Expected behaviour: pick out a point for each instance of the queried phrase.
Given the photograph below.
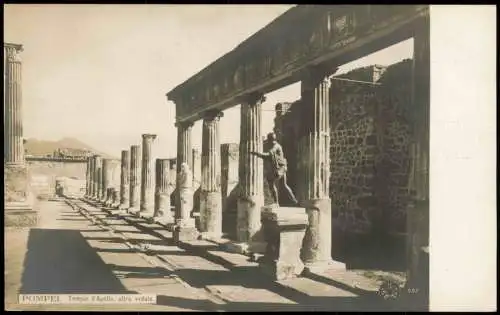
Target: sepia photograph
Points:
(218, 158)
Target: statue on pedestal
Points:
(275, 167)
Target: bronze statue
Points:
(275, 167)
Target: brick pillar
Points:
(135, 177)
(124, 180)
(251, 181)
(314, 147)
(147, 174)
(210, 195)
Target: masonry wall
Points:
(370, 131)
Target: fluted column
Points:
(210, 196)
(16, 178)
(314, 148)
(106, 179)
(147, 174)
(91, 178)
(164, 187)
(135, 177)
(251, 181)
(124, 180)
(87, 177)
(185, 225)
(98, 178)
(13, 121)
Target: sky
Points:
(99, 73)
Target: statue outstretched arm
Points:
(259, 154)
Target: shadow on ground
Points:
(62, 262)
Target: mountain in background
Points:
(37, 147)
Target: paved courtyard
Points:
(70, 252)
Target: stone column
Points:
(163, 191)
(16, 179)
(185, 225)
(135, 177)
(314, 148)
(196, 168)
(106, 178)
(147, 174)
(251, 199)
(91, 178)
(124, 180)
(418, 207)
(98, 178)
(13, 123)
(210, 195)
(87, 177)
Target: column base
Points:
(20, 215)
(279, 270)
(123, 206)
(211, 212)
(245, 248)
(322, 266)
(185, 234)
(211, 236)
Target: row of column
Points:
(144, 184)
(314, 143)
(141, 190)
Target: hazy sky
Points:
(100, 73)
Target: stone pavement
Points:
(85, 250)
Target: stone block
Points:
(181, 234)
(284, 229)
(23, 216)
(16, 184)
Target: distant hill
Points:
(37, 147)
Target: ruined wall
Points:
(43, 174)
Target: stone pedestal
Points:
(185, 229)
(284, 229)
(135, 178)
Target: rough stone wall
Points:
(16, 184)
(353, 150)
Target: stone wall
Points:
(370, 130)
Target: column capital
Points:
(213, 114)
(12, 51)
(252, 99)
(312, 76)
(184, 124)
(149, 136)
